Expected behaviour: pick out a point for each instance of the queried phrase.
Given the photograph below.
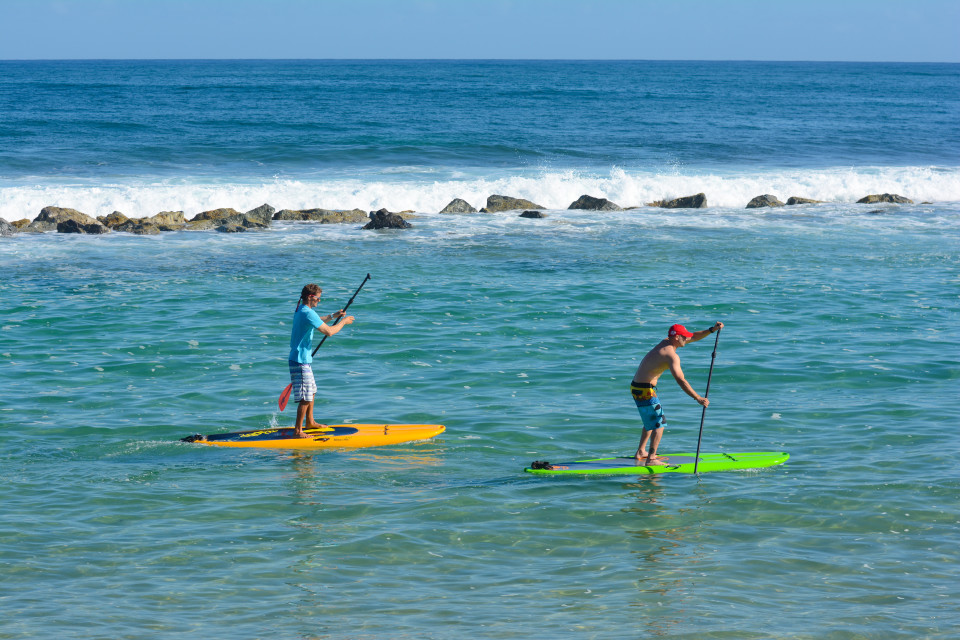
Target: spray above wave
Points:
(552, 189)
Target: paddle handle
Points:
(344, 311)
(706, 393)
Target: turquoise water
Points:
(521, 336)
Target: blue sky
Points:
(854, 30)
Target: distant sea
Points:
(841, 347)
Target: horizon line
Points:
(476, 60)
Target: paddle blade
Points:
(284, 397)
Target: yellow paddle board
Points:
(337, 436)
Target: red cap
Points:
(679, 330)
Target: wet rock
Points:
(215, 214)
(792, 200)
(383, 219)
(20, 224)
(533, 214)
(7, 229)
(698, 201)
(885, 197)
(323, 216)
(262, 214)
(458, 206)
(166, 221)
(50, 217)
(497, 203)
(765, 200)
(589, 203)
(137, 227)
(113, 220)
(73, 226)
(203, 225)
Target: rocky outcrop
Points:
(137, 227)
(262, 214)
(698, 201)
(215, 214)
(20, 224)
(50, 217)
(383, 219)
(497, 203)
(765, 200)
(792, 200)
(73, 226)
(589, 203)
(885, 197)
(166, 220)
(323, 216)
(458, 206)
(533, 214)
(115, 219)
(7, 229)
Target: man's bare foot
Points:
(316, 426)
(298, 433)
(655, 462)
(643, 457)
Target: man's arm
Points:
(678, 376)
(699, 335)
(329, 330)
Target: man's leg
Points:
(302, 408)
(652, 459)
(641, 454)
(311, 423)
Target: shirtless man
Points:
(305, 320)
(644, 387)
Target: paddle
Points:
(703, 415)
(285, 396)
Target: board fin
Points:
(198, 437)
(540, 464)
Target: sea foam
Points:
(549, 188)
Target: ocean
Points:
(841, 347)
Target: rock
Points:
(698, 201)
(262, 214)
(202, 225)
(590, 203)
(533, 214)
(885, 197)
(20, 224)
(7, 229)
(323, 216)
(215, 214)
(383, 219)
(458, 206)
(137, 227)
(792, 200)
(232, 227)
(765, 200)
(497, 203)
(50, 217)
(73, 226)
(166, 221)
(114, 219)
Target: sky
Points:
(814, 30)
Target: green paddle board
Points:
(675, 463)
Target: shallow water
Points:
(521, 336)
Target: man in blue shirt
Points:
(305, 320)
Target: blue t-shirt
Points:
(305, 320)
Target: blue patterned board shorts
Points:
(304, 386)
(648, 405)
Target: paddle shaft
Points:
(344, 313)
(706, 393)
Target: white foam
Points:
(551, 189)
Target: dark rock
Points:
(73, 226)
(202, 225)
(458, 206)
(383, 219)
(7, 229)
(533, 214)
(497, 203)
(323, 216)
(765, 200)
(589, 203)
(698, 201)
(50, 217)
(792, 200)
(215, 214)
(137, 227)
(113, 220)
(232, 227)
(262, 214)
(885, 197)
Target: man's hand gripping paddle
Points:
(285, 396)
